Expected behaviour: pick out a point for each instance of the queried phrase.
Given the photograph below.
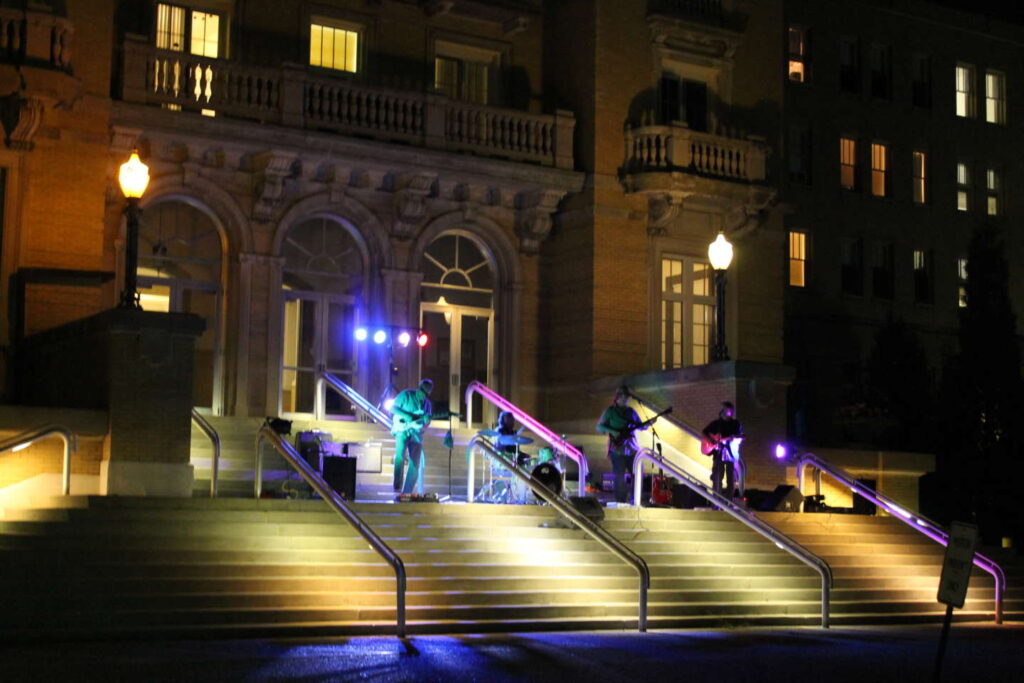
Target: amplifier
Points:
(340, 475)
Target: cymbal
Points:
(512, 439)
(489, 432)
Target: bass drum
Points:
(549, 475)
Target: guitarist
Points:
(718, 438)
(411, 413)
(620, 422)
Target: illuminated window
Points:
(798, 54)
(333, 45)
(883, 271)
(848, 163)
(961, 276)
(995, 97)
(881, 71)
(921, 85)
(963, 187)
(687, 312)
(879, 169)
(849, 65)
(464, 72)
(205, 34)
(965, 106)
(993, 187)
(923, 288)
(852, 274)
(170, 27)
(798, 259)
(920, 170)
(202, 35)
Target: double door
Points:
(318, 337)
(461, 350)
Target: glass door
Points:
(460, 351)
(318, 336)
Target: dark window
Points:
(799, 156)
(921, 85)
(924, 289)
(684, 100)
(883, 272)
(853, 267)
(881, 72)
(849, 65)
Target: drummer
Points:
(509, 439)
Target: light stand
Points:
(133, 177)
(720, 256)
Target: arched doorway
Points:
(322, 279)
(180, 271)
(457, 311)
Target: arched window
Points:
(323, 280)
(180, 251)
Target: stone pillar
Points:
(137, 365)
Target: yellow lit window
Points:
(170, 27)
(797, 54)
(920, 177)
(687, 312)
(963, 187)
(334, 48)
(965, 90)
(961, 273)
(848, 163)
(879, 168)
(993, 184)
(205, 34)
(797, 259)
(995, 97)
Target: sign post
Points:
(956, 575)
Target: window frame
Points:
(848, 161)
(995, 103)
(924, 276)
(687, 301)
(797, 241)
(187, 37)
(336, 24)
(852, 274)
(963, 186)
(881, 73)
(993, 191)
(800, 56)
(921, 81)
(850, 73)
(967, 96)
(880, 176)
(919, 177)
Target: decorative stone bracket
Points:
(411, 204)
(279, 166)
(533, 217)
(662, 209)
(21, 117)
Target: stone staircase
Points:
(123, 567)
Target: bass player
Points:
(719, 436)
(620, 422)
(411, 413)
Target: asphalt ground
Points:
(975, 652)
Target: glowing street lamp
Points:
(720, 255)
(133, 178)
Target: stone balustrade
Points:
(35, 38)
(677, 148)
(291, 96)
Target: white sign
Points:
(956, 566)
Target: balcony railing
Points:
(290, 96)
(652, 149)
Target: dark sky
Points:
(1012, 10)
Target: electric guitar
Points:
(709, 443)
(626, 433)
(661, 490)
(404, 421)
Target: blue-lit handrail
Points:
(781, 540)
(606, 539)
(912, 519)
(358, 399)
(211, 433)
(338, 504)
(534, 425)
(70, 446)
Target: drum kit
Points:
(505, 487)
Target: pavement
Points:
(975, 652)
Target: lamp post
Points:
(720, 255)
(133, 178)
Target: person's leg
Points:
(730, 479)
(400, 440)
(717, 470)
(627, 476)
(415, 450)
(619, 468)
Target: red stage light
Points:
(422, 339)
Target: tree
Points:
(899, 390)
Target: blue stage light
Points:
(404, 338)
(361, 334)
(379, 336)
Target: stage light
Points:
(781, 451)
(422, 339)
(404, 338)
(388, 403)
(379, 336)
(361, 334)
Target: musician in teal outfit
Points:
(619, 422)
(411, 413)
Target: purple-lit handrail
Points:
(357, 398)
(781, 540)
(606, 539)
(556, 442)
(70, 446)
(912, 519)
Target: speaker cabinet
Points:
(784, 498)
(340, 475)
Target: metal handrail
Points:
(338, 504)
(70, 446)
(358, 399)
(912, 519)
(214, 438)
(603, 537)
(534, 425)
(781, 540)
